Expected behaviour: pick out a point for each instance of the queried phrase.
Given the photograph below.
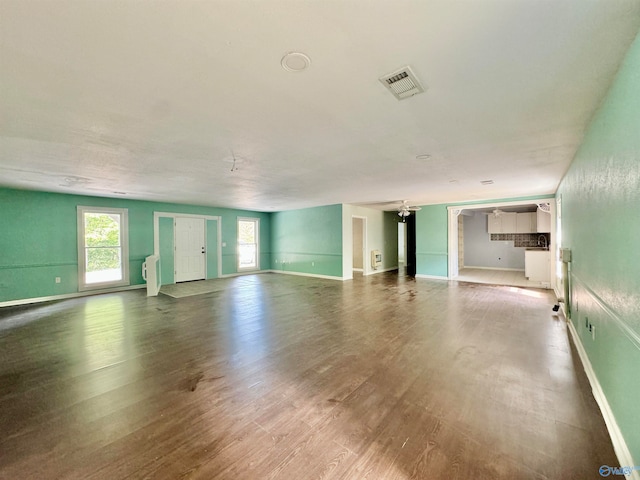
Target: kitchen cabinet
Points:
(508, 222)
(543, 221)
(503, 223)
(536, 265)
(526, 222)
(494, 224)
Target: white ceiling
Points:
(150, 99)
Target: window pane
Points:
(248, 243)
(246, 232)
(102, 230)
(103, 250)
(247, 256)
(103, 265)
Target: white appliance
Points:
(150, 273)
(376, 259)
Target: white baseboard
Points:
(381, 270)
(314, 275)
(357, 269)
(619, 444)
(431, 277)
(26, 301)
(495, 268)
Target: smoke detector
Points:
(402, 83)
(295, 62)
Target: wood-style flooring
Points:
(284, 377)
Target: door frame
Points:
(452, 220)
(173, 215)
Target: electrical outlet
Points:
(313, 264)
(593, 332)
(58, 280)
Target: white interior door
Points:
(190, 243)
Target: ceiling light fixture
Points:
(487, 182)
(424, 156)
(295, 62)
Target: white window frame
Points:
(256, 221)
(124, 246)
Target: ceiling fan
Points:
(405, 209)
(496, 212)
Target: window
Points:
(248, 244)
(103, 257)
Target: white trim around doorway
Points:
(452, 221)
(174, 215)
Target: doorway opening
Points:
(402, 246)
(503, 243)
(172, 244)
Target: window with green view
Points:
(102, 247)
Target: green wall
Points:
(600, 197)
(38, 239)
(308, 240)
(431, 241)
(165, 232)
(212, 246)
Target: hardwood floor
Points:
(383, 377)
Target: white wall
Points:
(481, 251)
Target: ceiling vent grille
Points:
(402, 83)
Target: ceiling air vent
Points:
(402, 83)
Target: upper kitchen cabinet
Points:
(543, 221)
(526, 222)
(503, 223)
(508, 222)
(494, 224)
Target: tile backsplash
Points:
(522, 239)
